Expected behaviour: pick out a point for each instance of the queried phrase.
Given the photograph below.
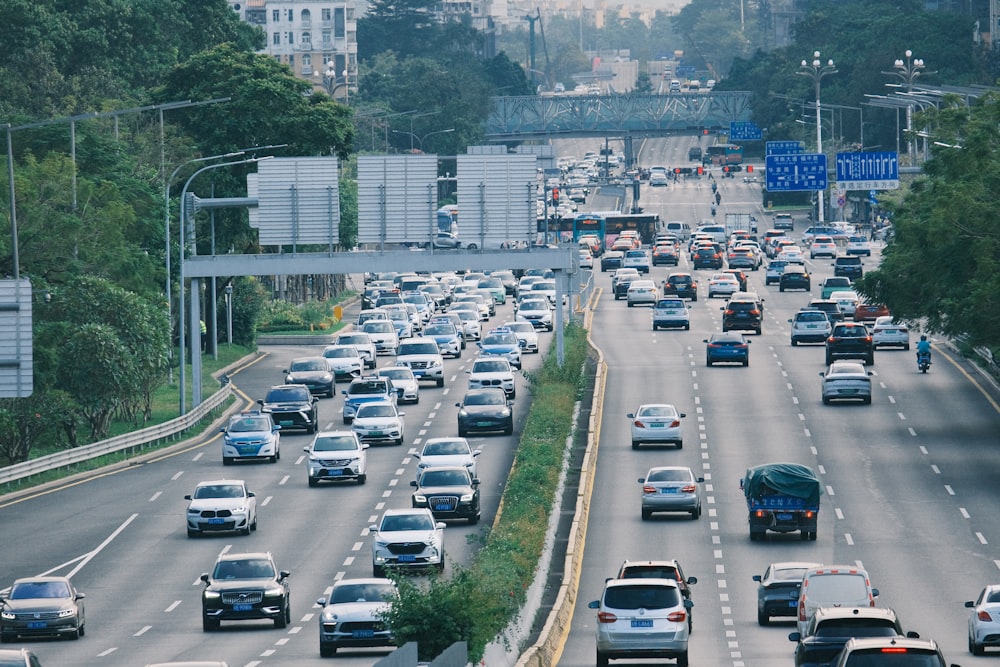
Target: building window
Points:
(275, 16)
(306, 38)
(291, 62)
(325, 14)
(306, 16)
(327, 59)
(291, 15)
(339, 23)
(307, 61)
(327, 37)
(276, 38)
(291, 37)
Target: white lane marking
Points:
(266, 501)
(838, 512)
(951, 491)
(173, 605)
(850, 540)
(155, 496)
(143, 630)
(197, 457)
(81, 561)
(176, 476)
(982, 538)
(964, 512)
(935, 469)
(284, 480)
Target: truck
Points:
(782, 498)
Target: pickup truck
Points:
(782, 498)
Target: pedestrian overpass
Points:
(639, 114)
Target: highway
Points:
(910, 480)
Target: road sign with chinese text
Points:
(868, 171)
(782, 147)
(795, 172)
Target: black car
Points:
(681, 285)
(850, 340)
(291, 406)
(243, 587)
(449, 492)
(612, 260)
(848, 266)
(830, 307)
(485, 410)
(740, 315)
(313, 372)
(778, 590)
(794, 276)
(707, 258)
(831, 627)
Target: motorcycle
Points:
(923, 361)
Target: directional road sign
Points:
(744, 130)
(800, 171)
(782, 147)
(868, 171)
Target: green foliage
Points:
(249, 301)
(478, 603)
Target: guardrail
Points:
(135, 440)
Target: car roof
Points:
(856, 612)
(242, 555)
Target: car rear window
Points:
(642, 596)
(836, 588)
(856, 627)
(418, 348)
(893, 657)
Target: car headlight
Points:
(274, 592)
(463, 413)
(467, 498)
(211, 595)
(505, 412)
(420, 498)
(329, 616)
(193, 511)
(67, 613)
(7, 615)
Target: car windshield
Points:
(340, 353)
(248, 568)
(291, 395)
(652, 571)
(669, 475)
(367, 387)
(533, 305)
(376, 411)
(500, 339)
(520, 327)
(362, 593)
(378, 327)
(33, 590)
(836, 588)
(353, 339)
(486, 398)
(445, 448)
(248, 424)
(407, 522)
(641, 597)
(812, 317)
(444, 478)
(418, 348)
(490, 367)
(440, 330)
(878, 657)
(657, 411)
(308, 365)
(396, 373)
(219, 491)
(856, 627)
(335, 443)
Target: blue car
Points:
(502, 342)
(447, 337)
(727, 347)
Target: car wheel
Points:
(746, 362)
(192, 533)
(871, 360)
(695, 514)
(253, 526)
(829, 360)
(440, 382)
(509, 430)
(646, 514)
(762, 617)
(398, 442)
(602, 660)
(462, 433)
(826, 400)
(474, 519)
(227, 460)
(635, 444)
(906, 347)
(313, 481)
(781, 288)
(757, 331)
(282, 621)
(209, 624)
(795, 342)
(81, 631)
(687, 327)
(680, 444)
(246, 531)
(708, 362)
(694, 298)
(804, 535)
(272, 459)
(513, 394)
(868, 400)
(327, 651)
(346, 421)
(682, 660)
(655, 327)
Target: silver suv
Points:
(422, 357)
(642, 618)
(891, 652)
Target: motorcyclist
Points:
(923, 347)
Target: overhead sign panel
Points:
(795, 172)
(783, 147)
(868, 171)
(745, 130)
(298, 201)
(16, 367)
(397, 198)
(496, 200)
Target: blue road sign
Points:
(868, 171)
(744, 130)
(798, 171)
(783, 147)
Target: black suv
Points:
(245, 586)
(741, 316)
(449, 492)
(848, 266)
(850, 340)
(659, 569)
(830, 628)
(706, 258)
(830, 307)
(681, 285)
(794, 276)
(292, 406)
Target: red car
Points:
(869, 312)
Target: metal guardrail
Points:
(135, 440)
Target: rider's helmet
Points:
(923, 337)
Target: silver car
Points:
(379, 422)
(403, 381)
(888, 333)
(352, 616)
(448, 451)
(846, 380)
(221, 505)
(641, 618)
(671, 489)
(656, 422)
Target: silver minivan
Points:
(833, 586)
(681, 230)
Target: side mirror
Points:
(594, 604)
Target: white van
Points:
(681, 230)
(718, 232)
(833, 586)
(675, 86)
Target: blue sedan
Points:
(727, 347)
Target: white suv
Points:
(407, 538)
(336, 455)
(642, 618)
(421, 356)
(492, 372)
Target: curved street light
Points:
(332, 81)
(907, 72)
(420, 140)
(816, 70)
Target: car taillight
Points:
(760, 514)
(606, 617)
(690, 488)
(648, 489)
(810, 514)
(674, 424)
(729, 311)
(894, 649)
(802, 610)
(755, 312)
(638, 424)
(984, 616)
(677, 616)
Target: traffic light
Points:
(701, 170)
(555, 195)
(704, 131)
(750, 168)
(677, 170)
(725, 169)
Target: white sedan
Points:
(379, 422)
(449, 451)
(657, 422)
(984, 621)
(403, 381)
(527, 337)
(823, 246)
(888, 333)
(641, 292)
(846, 380)
(723, 283)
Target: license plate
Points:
(812, 326)
(286, 422)
(668, 490)
(333, 473)
(890, 332)
(848, 391)
(784, 516)
(642, 622)
(242, 606)
(216, 522)
(793, 603)
(37, 625)
(483, 423)
(655, 425)
(375, 433)
(407, 558)
(442, 507)
(363, 634)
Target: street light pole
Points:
(420, 140)
(816, 70)
(908, 71)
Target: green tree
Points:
(406, 27)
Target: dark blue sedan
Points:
(727, 347)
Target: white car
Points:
(823, 246)
(421, 356)
(251, 435)
(810, 326)
(586, 259)
(527, 337)
(546, 288)
(379, 422)
(352, 615)
(792, 254)
(658, 178)
(221, 505)
(671, 312)
(723, 283)
(888, 333)
(847, 300)
(984, 621)
(403, 381)
(335, 456)
(858, 245)
(471, 328)
(362, 342)
(489, 372)
(636, 259)
(407, 538)
(383, 335)
(657, 422)
(641, 292)
(846, 380)
(345, 361)
(452, 451)
(537, 312)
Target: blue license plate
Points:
(242, 606)
(375, 433)
(216, 522)
(483, 423)
(407, 558)
(442, 507)
(286, 422)
(784, 516)
(363, 634)
(642, 622)
(793, 603)
(668, 490)
(37, 625)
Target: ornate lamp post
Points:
(908, 71)
(816, 70)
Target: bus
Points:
(723, 154)
(608, 225)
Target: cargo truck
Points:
(782, 498)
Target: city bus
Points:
(723, 154)
(608, 225)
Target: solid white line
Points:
(88, 557)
